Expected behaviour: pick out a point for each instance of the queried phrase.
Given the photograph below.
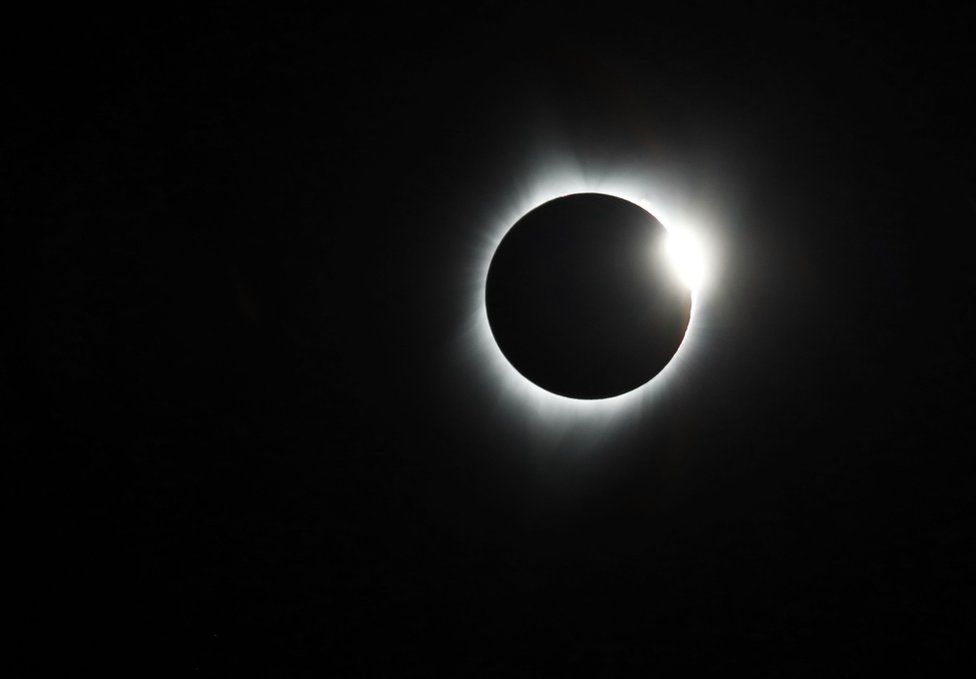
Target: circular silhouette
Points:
(580, 298)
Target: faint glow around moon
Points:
(687, 249)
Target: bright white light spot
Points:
(684, 254)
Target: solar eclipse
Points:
(680, 252)
(582, 299)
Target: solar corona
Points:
(587, 299)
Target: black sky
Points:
(235, 272)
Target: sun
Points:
(687, 249)
(684, 254)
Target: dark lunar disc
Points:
(580, 298)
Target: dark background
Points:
(233, 277)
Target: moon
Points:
(587, 296)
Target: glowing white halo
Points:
(686, 248)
